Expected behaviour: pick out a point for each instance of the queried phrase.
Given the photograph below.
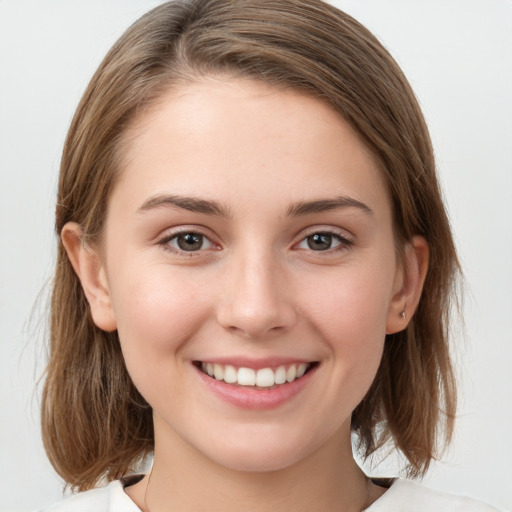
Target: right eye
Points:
(187, 241)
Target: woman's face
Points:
(250, 235)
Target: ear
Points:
(90, 270)
(409, 285)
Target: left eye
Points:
(189, 242)
(322, 241)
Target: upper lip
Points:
(255, 364)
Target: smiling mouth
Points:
(264, 378)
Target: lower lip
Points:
(251, 398)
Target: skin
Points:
(254, 288)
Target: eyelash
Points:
(344, 242)
(165, 242)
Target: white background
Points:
(458, 57)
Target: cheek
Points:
(352, 305)
(350, 316)
(156, 314)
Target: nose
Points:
(255, 300)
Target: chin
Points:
(257, 461)
(260, 454)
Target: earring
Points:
(402, 314)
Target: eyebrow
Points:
(324, 205)
(192, 204)
(208, 207)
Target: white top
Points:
(402, 496)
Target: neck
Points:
(183, 479)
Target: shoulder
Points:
(111, 498)
(404, 496)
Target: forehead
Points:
(233, 138)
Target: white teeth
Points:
(301, 370)
(246, 377)
(218, 372)
(230, 374)
(280, 377)
(291, 374)
(265, 378)
(262, 378)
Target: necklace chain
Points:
(146, 508)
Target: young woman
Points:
(255, 264)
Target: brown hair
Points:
(95, 423)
